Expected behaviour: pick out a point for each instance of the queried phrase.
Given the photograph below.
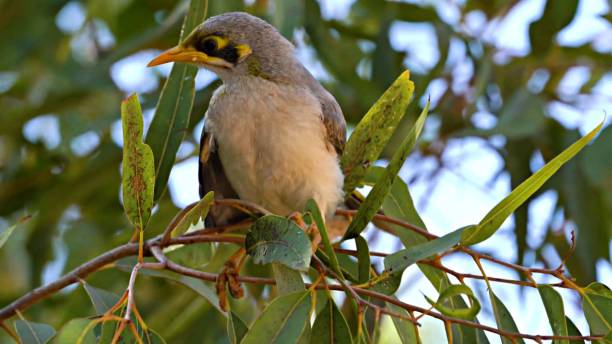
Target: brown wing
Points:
(212, 178)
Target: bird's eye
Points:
(208, 45)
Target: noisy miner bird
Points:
(272, 133)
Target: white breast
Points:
(272, 145)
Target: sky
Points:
(460, 196)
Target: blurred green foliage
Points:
(74, 196)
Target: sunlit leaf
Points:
(494, 219)
(597, 305)
(407, 331)
(282, 321)
(452, 291)
(236, 328)
(101, 299)
(287, 279)
(138, 174)
(194, 215)
(4, 235)
(399, 261)
(76, 331)
(313, 209)
(374, 130)
(377, 195)
(330, 326)
(33, 333)
(277, 239)
(553, 303)
(173, 109)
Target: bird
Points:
(273, 135)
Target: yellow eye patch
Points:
(221, 42)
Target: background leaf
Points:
(33, 333)
(330, 325)
(282, 321)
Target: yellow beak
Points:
(179, 54)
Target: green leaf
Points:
(313, 209)
(494, 219)
(597, 305)
(397, 262)
(553, 303)
(76, 331)
(557, 15)
(282, 321)
(363, 259)
(236, 328)
(287, 279)
(173, 110)
(504, 319)
(138, 174)
(572, 330)
(101, 299)
(398, 202)
(8, 231)
(33, 333)
(195, 214)
(330, 326)
(407, 331)
(288, 16)
(373, 132)
(193, 256)
(277, 239)
(377, 195)
(450, 292)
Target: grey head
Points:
(242, 44)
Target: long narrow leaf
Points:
(504, 319)
(173, 109)
(553, 303)
(376, 197)
(374, 130)
(494, 219)
(313, 209)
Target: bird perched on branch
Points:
(272, 133)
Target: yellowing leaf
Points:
(138, 173)
(494, 219)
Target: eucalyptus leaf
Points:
(407, 331)
(313, 209)
(397, 262)
(553, 303)
(330, 326)
(33, 333)
(236, 328)
(101, 299)
(282, 321)
(375, 198)
(195, 214)
(274, 238)
(4, 235)
(494, 219)
(504, 319)
(287, 279)
(173, 110)
(597, 305)
(363, 259)
(374, 131)
(138, 167)
(453, 291)
(76, 331)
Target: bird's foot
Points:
(229, 277)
